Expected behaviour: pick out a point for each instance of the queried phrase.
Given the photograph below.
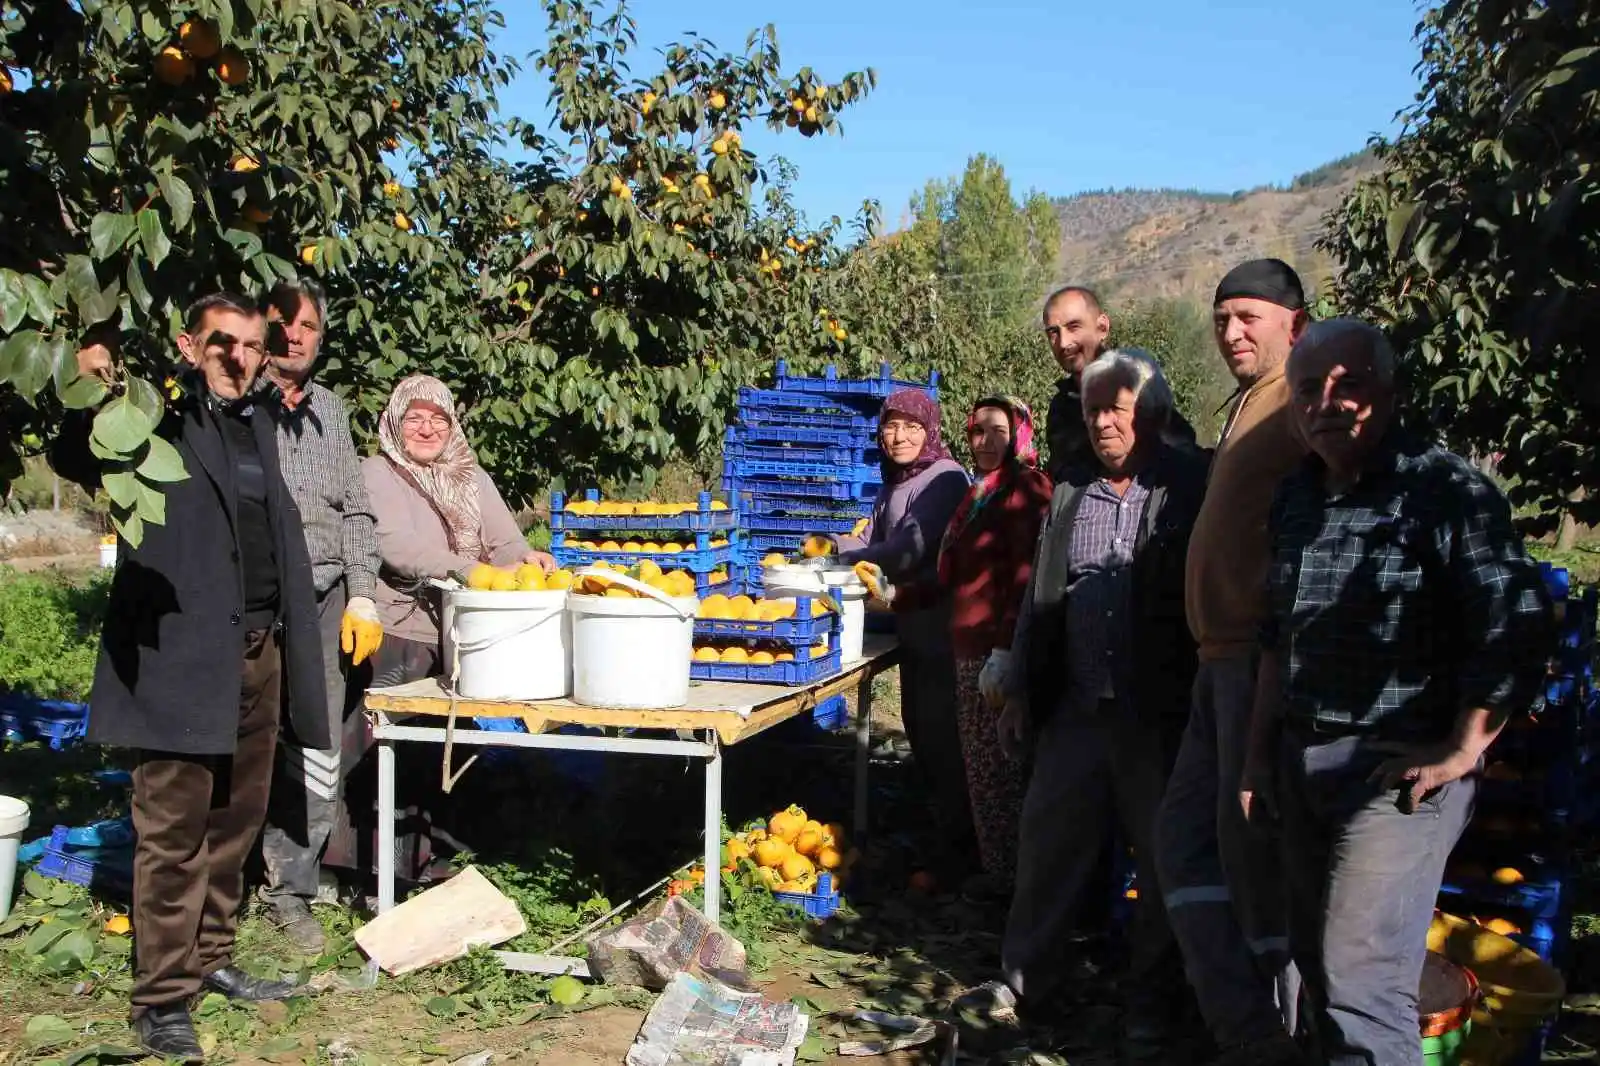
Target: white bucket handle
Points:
(638, 586)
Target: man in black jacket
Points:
(212, 619)
(1102, 663)
(1076, 327)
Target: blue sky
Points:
(1069, 96)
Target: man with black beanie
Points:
(1221, 877)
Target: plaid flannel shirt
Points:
(320, 465)
(1404, 601)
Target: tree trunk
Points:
(1567, 534)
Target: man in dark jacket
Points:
(1101, 667)
(1076, 327)
(212, 619)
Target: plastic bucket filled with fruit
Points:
(631, 639)
(507, 635)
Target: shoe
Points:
(236, 984)
(299, 925)
(1277, 1050)
(168, 1033)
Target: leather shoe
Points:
(168, 1033)
(236, 984)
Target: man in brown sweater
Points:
(1220, 876)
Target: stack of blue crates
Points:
(1540, 791)
(802, 457)
(704, 540)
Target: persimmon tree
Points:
(592, 303)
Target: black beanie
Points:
(1272, 280)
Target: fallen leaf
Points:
(47, 1031)
(273, 1012)
(827, 979)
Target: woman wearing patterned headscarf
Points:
(922, 485)
(437, 514)
(984, 564)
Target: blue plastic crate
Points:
(831, 714)
(582, 767)
(802, 630)
(1542, 900)
(799, 524)
(779, 511)
(831, 384)
(746, 469)
(864, 491)
(808, 409)
(839, 455)
(100, 869)
(24, 718)
(699, 561)
(800, 672)
(774, 429)
(823, 903)
(1556, 580)
(765, 543)
(702, 520)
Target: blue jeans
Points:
(1362, 878)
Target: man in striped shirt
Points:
(323, 472)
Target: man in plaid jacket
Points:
(323, 472)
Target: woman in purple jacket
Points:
(922, 486)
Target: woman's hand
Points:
(543, 560)
(1012, 727)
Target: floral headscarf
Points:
(1020, 454)
(450, 482)
(922, 409)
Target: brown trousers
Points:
(197, 817)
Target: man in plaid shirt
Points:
(1407, 625)
(323, 472)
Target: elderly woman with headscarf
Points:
(922, 486)
(437, 514)
(985, 563)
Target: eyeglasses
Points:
(417, 423)
(898, 428)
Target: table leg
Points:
(713, 854)
(385, 825)
(858, 828)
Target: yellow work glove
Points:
(860, 528)
(872, 576)
(360, 631)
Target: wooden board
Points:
(734, 710)
(441, 924)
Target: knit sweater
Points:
(1225, 588)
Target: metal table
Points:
(718, 714)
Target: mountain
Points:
(1149, 243)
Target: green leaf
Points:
(47, 1031)
(147, 398)
(162, 463)
(41, 308)
(73, 951)
(26, 362)
(179, 197)
(122, 486)
(13, 301)
(152, 505)
(442, 1007)
(1399, 220)
(137, 288)
(121, 427)
(74, 390)
(109, 232)
(36, 884)
(153, 237)
(39, 941)
(83, 285)
(131, 529)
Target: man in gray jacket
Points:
(323, 472)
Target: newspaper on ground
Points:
(663, 940)
(914, 1032)
(702, 1022)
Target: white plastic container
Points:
(510, 645)
(13, 822)
(631, 653)
(844, 586)
(108, 553)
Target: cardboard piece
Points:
(441, 924)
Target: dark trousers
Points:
(928, 709)
(352, 842)
(305, 785)
(197, 817)
(1363, 878)
(1085, 766)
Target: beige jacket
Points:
(1225, 585)
(414, 546)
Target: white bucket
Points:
(852, 597)
(511, 645)
(108, 555)
(631, 653)
(13, 821)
